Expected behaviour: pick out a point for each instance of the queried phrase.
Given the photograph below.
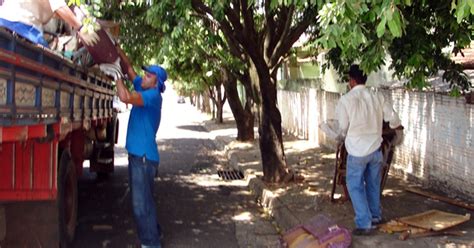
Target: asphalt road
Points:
(195, 207)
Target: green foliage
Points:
(188, 59)
(162, 27)
(167, 32)
(193, 48)
(419, 55)
(357, 27)
(412, 33)
(463, 9)
(140, 40)
(75, 2)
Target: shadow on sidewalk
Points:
(294, 203)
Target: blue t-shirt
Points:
(144, 122)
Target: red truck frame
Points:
(53, 116)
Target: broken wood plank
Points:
(441, 198)
(405, 235)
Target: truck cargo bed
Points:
(40, 86)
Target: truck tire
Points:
(102, 159)
(67, 199)
(112, 129)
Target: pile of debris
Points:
(429, 223)
(64, 41)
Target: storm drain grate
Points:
(230, 174)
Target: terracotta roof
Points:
(467, 61)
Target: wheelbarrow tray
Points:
(435, 220)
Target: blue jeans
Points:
(141, 173)
(363, 182)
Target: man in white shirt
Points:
(360, 114)
(27, 17)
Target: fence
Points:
(438, 147)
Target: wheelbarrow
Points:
(387, 146)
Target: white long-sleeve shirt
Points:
(32, 12)
(360, 114)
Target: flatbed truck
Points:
(54, 115)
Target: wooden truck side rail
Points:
(53, 116)
(47, 105)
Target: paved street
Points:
(195, 207)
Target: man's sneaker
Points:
(362, 231)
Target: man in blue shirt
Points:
(141, 145)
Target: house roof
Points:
(467, 61)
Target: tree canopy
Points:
(419, 36)
(196, 38)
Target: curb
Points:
(247, 236)
(266, 198)
(221, 143)
(283, 216)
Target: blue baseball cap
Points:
(160, 73)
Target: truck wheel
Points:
(67, 199)
(103, 176)
(102, 159)
(112, 130)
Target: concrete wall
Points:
(438, 149)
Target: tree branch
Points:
(249, 24)
(280, 31)
(206, 13)
(286, 41)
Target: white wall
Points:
(438, 149)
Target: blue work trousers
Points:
(363, 179)
(141, 175)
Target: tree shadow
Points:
(194, 128)
(195, 207)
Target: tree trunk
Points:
(219, 105)
(206, 106)
(275, 169)
(198, 101)
(218, 99)
(213, 111)
(244, 118)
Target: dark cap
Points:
(357, 74)
(160, 73)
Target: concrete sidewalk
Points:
(295, 203)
